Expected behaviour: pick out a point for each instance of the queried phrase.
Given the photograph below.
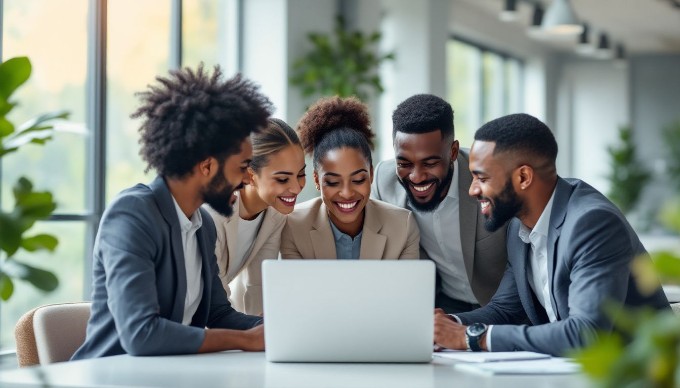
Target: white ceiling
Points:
(643, 26)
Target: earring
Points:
(317, 187)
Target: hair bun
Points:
(331, 113)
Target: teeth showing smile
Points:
(484, 205)
(288, 199)
(422, 188)
(347, 205)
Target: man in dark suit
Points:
(430, 177)
(155, 289)
(569, 249)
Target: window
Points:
(482, 85)
(142, 43)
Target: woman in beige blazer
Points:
(344, 223)
(253, 233)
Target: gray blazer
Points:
(590, 249)
(139, 280)
(483, 252)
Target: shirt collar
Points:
(542, 226)
(185, 223)
(338, 235)
(453, 186)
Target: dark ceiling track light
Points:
(535, 30)
(603, 49)
(584, 46)
(509, 12)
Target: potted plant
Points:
(627, 176)
(343, 63)
(29, 205)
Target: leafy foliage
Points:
(628, 176)
(342, 64)
(645, 352)
(29, 205)
(671, 137)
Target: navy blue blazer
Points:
(590, 249)
(139, 280)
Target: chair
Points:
(51, 333)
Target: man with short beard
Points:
(430, 177)
(569, 249)
(155, 288)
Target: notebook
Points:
(348, 310)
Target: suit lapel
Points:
(321, 236)
(207, 257)
(524, 290)
(372, 242)
(167, 208)
(558, 213)
(468, 209)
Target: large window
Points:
(144, 39)
(482, 85)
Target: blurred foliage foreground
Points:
(645, 350)
(29, 205)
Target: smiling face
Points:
(492, 185)
(231, 177)
(344, 176)
(425, 166)
(279, 182)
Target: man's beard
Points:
(218, 195)
(503, 207)
(436, 198)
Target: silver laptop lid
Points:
(348, 310)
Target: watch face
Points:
(476, 329)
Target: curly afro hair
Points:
(522, 134)
(193, 115)
(335, 122)
(423, 113)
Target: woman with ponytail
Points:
(344, 223)
(253, 233)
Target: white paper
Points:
(466, 356)
(550, 366)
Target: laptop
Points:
(348, 310)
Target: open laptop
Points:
(348, 310)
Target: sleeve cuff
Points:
(488, 338)
(455, 318)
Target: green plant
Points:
(29, 205)
(342, 64)
(671, 137)
(645, 350)
(628, 176)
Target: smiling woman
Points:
(344, 223)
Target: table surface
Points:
(241, 369)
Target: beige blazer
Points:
(389, 233)
(245, 292)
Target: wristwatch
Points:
(473, 334)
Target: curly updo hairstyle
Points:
(276, 136)
(335, 122)
(190, 116)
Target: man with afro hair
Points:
(155, 288)
(430, 177)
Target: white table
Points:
(242, 370)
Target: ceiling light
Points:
(620, 56)
(509, 12)
(584, 46)
(560, 19)
(535, 30)
(603, 50)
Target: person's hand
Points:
(447, 332)
(254, 339)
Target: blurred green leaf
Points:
(40, 242)
(6, 286)
(13, 73)
(10, 238)
(39, 278)
(599, 359)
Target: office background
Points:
(91, 56)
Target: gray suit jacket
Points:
(139, 280)
(483, 252)
(590, 249)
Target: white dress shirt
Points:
(192, 262)
(440, 238)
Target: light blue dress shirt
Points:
(346, 247)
